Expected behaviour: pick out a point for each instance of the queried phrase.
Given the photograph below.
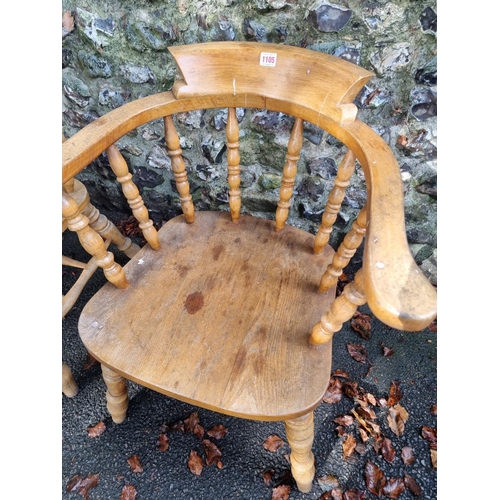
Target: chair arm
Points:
(397, 292)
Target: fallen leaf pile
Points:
(211, 452)
(361, 429)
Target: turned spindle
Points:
(233, 164)
(100, 223)
(131, 192)
(341, 310)
(341, 181)
(345, 252)
(179, 169)
(92, 242)
(289, 172)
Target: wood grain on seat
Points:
(219, 317)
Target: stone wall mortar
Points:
(116, 51)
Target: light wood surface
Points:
(227, 326)
(69, 386)
(224, 310)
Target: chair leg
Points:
(300, 435)
(116, 395)
(69, 387)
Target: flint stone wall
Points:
(116, 51)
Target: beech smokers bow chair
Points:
(228, 311)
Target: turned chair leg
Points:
(69, 387)
(300, 435)
(116, 395)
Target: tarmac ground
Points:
(246, 469)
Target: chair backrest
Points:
(312, 87)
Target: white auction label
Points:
(268, 59)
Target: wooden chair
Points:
(231, 312)
(78, 193)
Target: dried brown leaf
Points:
(340, 430)
(81, 485)
(351, 390)
(429, 434)
(199, 431)
(387, 352)
(191, 422)
(341, 283)
(340, 373)
(395, 394)
(348, 445)
(374, 478)
(328, 482)
(177, 426)
(267, 475)
(371, 399)
(360, 448)
(281, 492)
(333, 393)
(366, 412)
(327, 495)
(162, 442)
(361, 323)
(394, 487)
(128, 492)
(90, 362)
(388, 451)
(365, 436)
(345, 420)
(402, 411)
(273, 443)
(358, 352)
(135, 463)
(130, 227)
(96, 430)
(396, 418)
(407, 455)
(378, 441)
(336, 494)
(354, 494)
(217, 431)
(212, 452)
(412, 485)
(434, 409)
(195, 463)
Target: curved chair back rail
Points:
(299, 85)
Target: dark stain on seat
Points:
(194, 302)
